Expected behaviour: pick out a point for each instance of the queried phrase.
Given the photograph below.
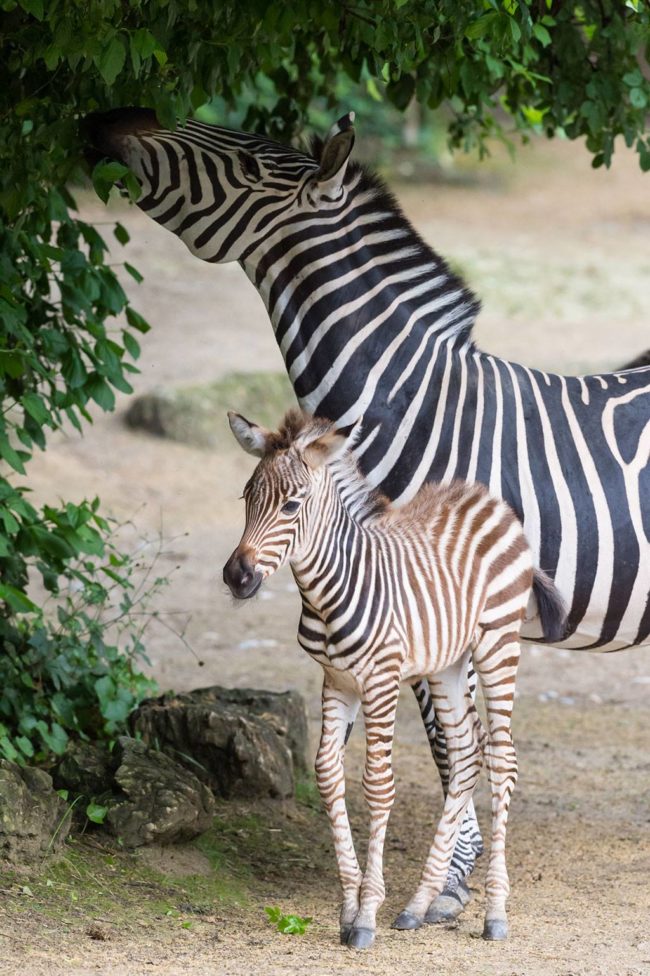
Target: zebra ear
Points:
(251, 437)
(331, 445)
(336, 154)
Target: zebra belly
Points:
(584, 638)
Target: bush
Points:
(73, 670)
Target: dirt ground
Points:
(561, 256)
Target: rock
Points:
(240, 742)
(85, 769)
(161, 800)
(34, 819)
(197, 414)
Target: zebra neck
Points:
(342, 536)
(349, 289)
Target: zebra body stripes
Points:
(392, 595)
(371, 321)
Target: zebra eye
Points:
(290, 507)
(250, 166)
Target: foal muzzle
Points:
(240, 576)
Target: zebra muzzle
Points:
(240, 576)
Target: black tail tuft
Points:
(552, 609)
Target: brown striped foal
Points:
(392, 595)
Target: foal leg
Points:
(495, 659)
(379, 707)
(455, 895)
(339, 712)
(464, 737)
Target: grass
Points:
(244, 859)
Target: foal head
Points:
(282, 496)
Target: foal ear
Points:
(335, 155)
(251, 437)
(331, 445)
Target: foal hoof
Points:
(345, 934)
(448, 905)
(361, 938)
(405, 920)
(495, 929)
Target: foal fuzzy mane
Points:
(294, 425)
(300, 428)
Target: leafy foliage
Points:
(288, 924)
(74, 672)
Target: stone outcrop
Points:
(240, 742)
(160, 800)
(34, 819)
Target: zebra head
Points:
(224, 193)
(285, 496)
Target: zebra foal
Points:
(392, 595)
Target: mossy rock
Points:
(196, 415)
(34, 820)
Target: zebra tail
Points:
(552, 608)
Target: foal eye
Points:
(290, 507)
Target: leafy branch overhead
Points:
(548, 65)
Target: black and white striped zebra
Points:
(392, 595)
(371, 321)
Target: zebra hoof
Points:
(448, 905)
(406, 920)
(495, 929)
(361, 938)
(345, 934)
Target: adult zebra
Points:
(371, 321)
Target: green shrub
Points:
(73, 670)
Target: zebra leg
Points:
(464, 737)
(498, 683)
(379, 708)
(455, 895)
(339, 712)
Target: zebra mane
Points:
(360, 499)
(363, 180)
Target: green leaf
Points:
(16, 599)
(135, 274)
(11, 364)
(98, 390)
(25, 746)
(96, 812)
(8, 750)
(35, 407)
(121, 233)
(112, 60)
(55, 738)
(144, 42)
(136, 321)
(542, 34)
(11, 456)
(131, 345)
(638, 98)
(34, 7)
(104, 176)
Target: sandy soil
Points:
(561, 256)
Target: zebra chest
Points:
(347, 649)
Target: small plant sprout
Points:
(288, 924)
